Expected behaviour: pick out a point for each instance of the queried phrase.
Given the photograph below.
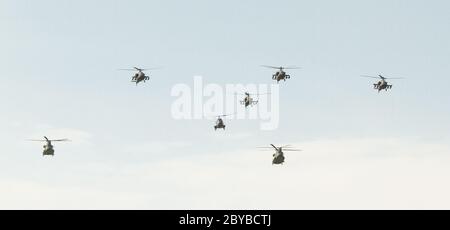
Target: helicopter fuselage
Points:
(248, 101)
(382, 85)
(219, 124)
(280, 75)
(278, 158)
(48, 150)
(140, 76)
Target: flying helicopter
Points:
(278, 156)
(280, 74)
(219, 123)
(382, 84)
(248, 100)
(48, 147)
(140, 75)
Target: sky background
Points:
(361, 149)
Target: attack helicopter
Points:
(280, 74)
(140, 75)
(48, 147)
(382, 84)
(219, 123)
(278, 156)
(248, 100)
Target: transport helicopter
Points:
(382, 84)
(278, 156)
(280, 74)
(48, 147)
(140, 76)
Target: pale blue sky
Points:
(58, 69)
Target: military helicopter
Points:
(280, 74)
(140, 75)
(219, 123)
(382, 84)
(48, 147)
(278, 156)
(248, 100)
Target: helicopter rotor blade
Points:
(370, 76)
(60, 140)
(152, 68)
(272, 67)
(218, 116)
(381, 77)
(281, 67)
(274, 147)
(259, 94)
(226, 115)
(291, 67)
(254, 94)
(139, 69)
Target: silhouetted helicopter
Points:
(280, 74)
(278, 156)
(382, 84)
(140, 75)
(48, 147)
(219, 123)
(248, 100)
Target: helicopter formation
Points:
(279, 75)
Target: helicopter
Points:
(48, 147)
(248, 100)
(219, 123)
(140, 75)
(278, 156)
(382, 84)
(280, 74)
